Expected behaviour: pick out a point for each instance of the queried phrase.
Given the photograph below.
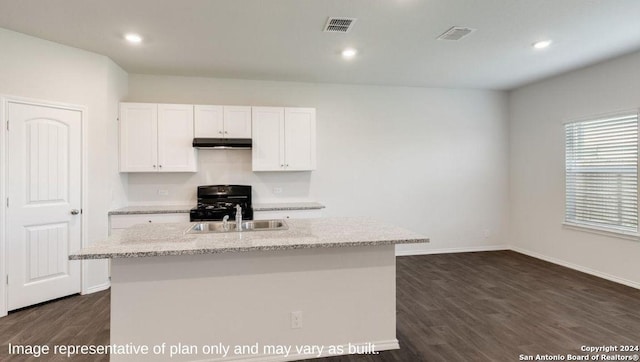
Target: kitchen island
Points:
(322, 287)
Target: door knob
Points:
(75, 212)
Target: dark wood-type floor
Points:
(490, 306)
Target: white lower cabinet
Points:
(287, 214)
(117, 223)
(284, 139)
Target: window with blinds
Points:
(601, 164)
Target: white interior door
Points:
(44, 203)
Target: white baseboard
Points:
(97, 288)
(577, 267)
(379, 346)
(471, 249)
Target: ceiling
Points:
(395, 39)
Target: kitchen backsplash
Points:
(218, 167)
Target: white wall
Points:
(39, 69)
(432, 160)
(537, 113)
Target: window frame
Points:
(611, 231)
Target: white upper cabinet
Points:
(237, 122)
(138, 137)
(222, 121)
(284, 139)
(208, 121)
(300, 139)
(268, 139)
(175, 138)
(156, 138)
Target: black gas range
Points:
(217, 201)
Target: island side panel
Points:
(346, 295)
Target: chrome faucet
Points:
(238, 217)
(225, 223)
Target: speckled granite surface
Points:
(156, 209)
(170, 239)
(286, 206)
(176, 209)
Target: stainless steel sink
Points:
(211, 227)
(264, 225)
(232, 226)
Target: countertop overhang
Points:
(185, 208)
(159, 239)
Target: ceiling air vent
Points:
(339, 25)
(456, 33)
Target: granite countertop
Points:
(152, 209)
(176, 209)
(170, 238)
(285, 206)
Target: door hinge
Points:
(7, 125)
(7, 279)
(7, 202)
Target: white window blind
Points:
(602, 173)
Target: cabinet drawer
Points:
(125, 221)
(287, 214)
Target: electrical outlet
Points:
(296, 320)
(277, 190)
(162, 192)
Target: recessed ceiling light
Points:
(133, 38)
(541, 44)
(349, 53)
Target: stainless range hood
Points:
(222, 143)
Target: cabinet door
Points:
(138, 137)
(268, 139)
(175, 138)
(300, 139)
(208, 122)
(237, 122)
